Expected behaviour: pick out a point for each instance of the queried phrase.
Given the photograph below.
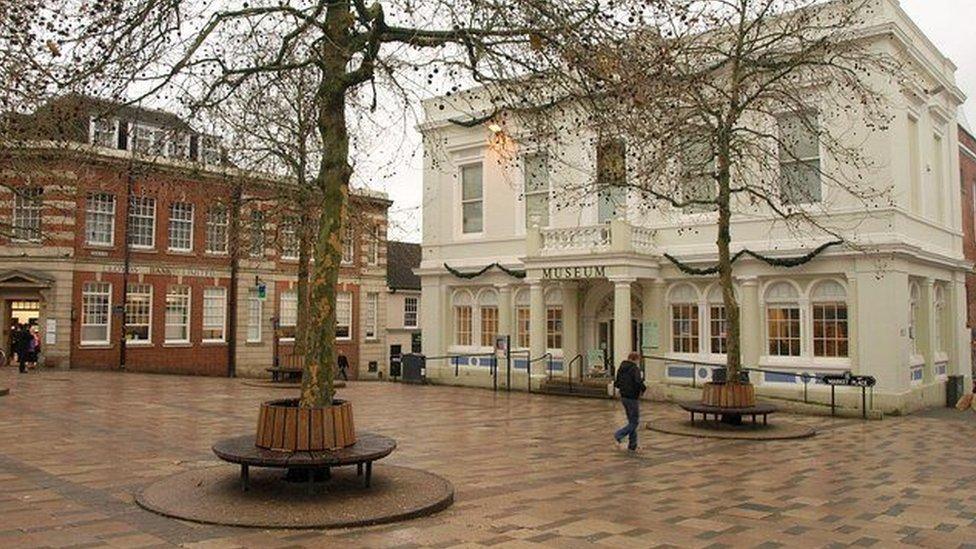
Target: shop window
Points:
(96, 300)
(138, 312)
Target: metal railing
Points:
(528, 366)
(493, 365)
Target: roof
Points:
(401, 259)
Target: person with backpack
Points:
(631, 386)
(343, 364)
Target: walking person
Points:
(631, 387)
(33, 346)
(22, 344)
(343, 366)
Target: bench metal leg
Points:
(245, 477)
(369, 472)
(764, 418)
(359, 469)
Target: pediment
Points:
(22, 278)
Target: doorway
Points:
(19, 312)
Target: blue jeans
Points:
(632, 407)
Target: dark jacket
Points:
(629, 381)
(342, 362)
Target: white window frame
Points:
(138, 207)
(462, 202)
(407, 312)
(216, 294)
(172, 139)
(288, 304)
(212, 225)
(780, 303)
(255, 312)
(27, 214)
(914, 164)
(173, 219)
(373, 247)
(529, 194)
(789, 160)
(348, 244)
(208, 150)
(937, 321)
(345, 320)
(92, 120)
(615, 196)
(102, 289)
(139, 289)
(90, 219)
(371, 325)
(834, 301)
(159, 140)
(253, 230)
(288, 237)
(939, 173)
(187, 299)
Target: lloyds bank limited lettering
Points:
(561, 273)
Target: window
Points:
(181, 227)
(373, 249)
(178, 145)
(914, 165)
(209, 150)
(372, 309)
(257, 233)
(523, 318)
(178, 314)
(684, 319)
(783, 320)
(718, 327)
(289, 240)
(288, 313)
(611, 179)
(472, 199)
(830, 337)
(27, 214)
(698, 182)
(138, 312)
(343, 315)
(217, 230)
(536, 175)
(146, 139)
(913, 317)
(938, 318)
(254, 311)
(142, 222)
(463, 327)
(96, 300)
(100, 219)
(799, 158)
(105, 132)
(554, 327)
(488, 313)
(348, 249)
(214, 313)
(410, 312)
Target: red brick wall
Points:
(967, 168)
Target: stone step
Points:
(589, 388)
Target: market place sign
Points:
(573, 273)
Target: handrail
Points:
(569, 370)
(528, 366)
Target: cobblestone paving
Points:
(529, 471)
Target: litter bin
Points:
(955, 388)
(414, 368)
(395, 366)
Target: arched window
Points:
(462, 317)
(522, 318)
(913, 316)
(684, 319)
(488, 310)
(938, 317)
(718, 325)
(783, 320)
(554, 318)
(830, 328)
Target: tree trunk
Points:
(333, 180)
(304, 234)
(733, 352)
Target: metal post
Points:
(832, 387)
(528, 370)
(806, 382)
(457, 366)
(508, 364)
(494, 373)
(864, 402)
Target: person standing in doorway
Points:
(343, 366)
(33, 346)
(631, 387)
(22, 347)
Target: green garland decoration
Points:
(510, 272)
(772, 261)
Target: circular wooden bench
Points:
(729, 415)
(314, 465)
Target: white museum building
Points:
(585, 281)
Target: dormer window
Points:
(146, 139)
(209, 152)
(178, 145)
(104, 132)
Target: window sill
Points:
(96, 345)
(99, 247)
(180, 252)
(213, 342)
(216, 254)
(286, 340)
(143, 250)
(256, 343)
(133, 343)
(805, 362)
(177, 344)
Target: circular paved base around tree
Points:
(213, 495)
(268, 384)
(778, 430)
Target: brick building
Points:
(967, 182)
(94, 176)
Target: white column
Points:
(537, 322)
(655, 318)
(570, 323)
(750, 326)
(926, 321)
(852, 331)
(960, 361)
(621, 318)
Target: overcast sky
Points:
(948, 23)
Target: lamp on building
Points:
(495, 127)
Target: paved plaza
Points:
(529, 470)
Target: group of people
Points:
(25, 342)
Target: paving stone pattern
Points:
(529, 470)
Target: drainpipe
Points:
(126, 255)
(235, 247)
